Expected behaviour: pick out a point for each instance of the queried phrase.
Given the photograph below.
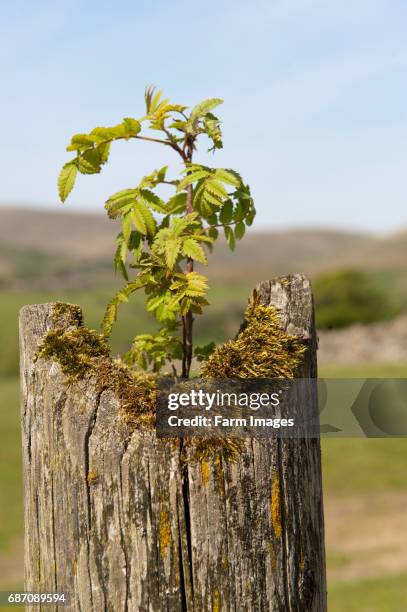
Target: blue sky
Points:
(315, 113)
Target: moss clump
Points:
(64, 315)
(135, 390)
(204, 449)
(82, 352)
(261, 349)
(74, 349)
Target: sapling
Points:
(160, 240)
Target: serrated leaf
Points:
(192, 178)
(120, 257)
(120, 297)
(139, 221)
(66, 179)
(118, 208)
(149, 220)
(177, 203)
(229, 176)
(126, 225)
(215, 187)
(204, 107)
(153, 200)
(194, 250)
(172, 249)
(89, 162)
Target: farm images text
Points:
(202, 400)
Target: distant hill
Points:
(41, 246)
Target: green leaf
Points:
(80, 141)
(104, 150)
(66, 179)
(203, 107)
(240, 229)
(126, 225)
(202, 352)
(250, 217)
(226, 213)
(120, 297)
(192, 249)
(138, 219)
(229, 176)
(240, 211)
(213, 233)
(132, 126)
(177, 204)
(153, 200)
(230, 237)
(161, 174)
(120, 256)
(149, 220)
(172, 249)
(215, 187)
(89, 162)
(192, 178)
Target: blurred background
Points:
(315, 119)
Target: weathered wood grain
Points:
(113, 519)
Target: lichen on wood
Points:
(122, 521)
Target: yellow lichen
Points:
(92, 477)
(216, 601)
(220, 475)
(275, 505)
(205, 471)
(164, 532)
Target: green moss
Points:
(74, 349)
(82, 352)
(66, 314)
(261, 349)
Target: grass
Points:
(11, 513)
(387, 594)
(365, 370)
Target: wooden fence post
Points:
(113, 520)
